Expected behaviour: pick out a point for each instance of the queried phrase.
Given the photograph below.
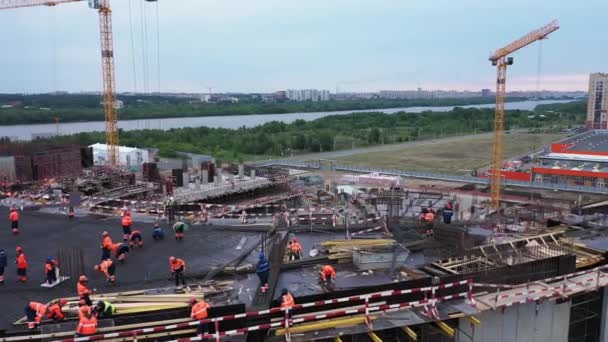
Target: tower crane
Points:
(107, 61)
(501, 61)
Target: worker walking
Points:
(108, 268)
(104, 309)
(3, 262)
(262, 269)
(135, 239)
(127, 221)
(34, 312)
(21, 262)
(121, 250)
(50, 268)
(200, 311)
(179, 228)
(83, 290)
(106, 245)
(296, 249)
(328, 276)
(55, 311)
(88, 323)
(158, 233)
(13, 217)
(178, 267)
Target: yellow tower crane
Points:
(107, 61)
(501, 61)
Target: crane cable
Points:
(144, 45)
(133, 59)
(158, 45)
(539, 67)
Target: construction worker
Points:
(447, 213)
(70, 212)
(120, 250)
(200, 311)
(136, 239)
(21, 262)
(34, 312)
(127, 221)
(179, 228)
(3, 262)
(55, 311)
(108, 268)
(50, 268)
(171, 208)
(296, 249)
(159, 233)
(262, 269)
(88, 323)
(104, 309)
(178, 267)
(287, 301)
(83, 290)
(13, 216)
(328, 275)
(106, 245)
(428, 218)
(82, 308)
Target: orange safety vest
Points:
(82, 289)
(429, 217)
(55, 312)
(21, 261)
(40, 310)
(87, 326)
(288, 301)
(328, 271)
(200, 310)
(175, 265)
(127, 220)
(296, 247)
(13, 216)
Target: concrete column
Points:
(253, 174)
(219, 175)
(186, 179)
(205, 177)
(241, 171)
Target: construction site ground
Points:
(450, 156)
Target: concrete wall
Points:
(545, 322)
(7, 168)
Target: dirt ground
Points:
(456, 157)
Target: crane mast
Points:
(501, 60)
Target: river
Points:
(27, 132)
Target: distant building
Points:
(307, 95)
(597, 105)
(280, 95)
(486, 92)
(118, 104)
(34, 161)
(130, 157)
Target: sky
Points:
(270, 45)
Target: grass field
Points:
(456, 157)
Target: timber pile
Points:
(342, 250)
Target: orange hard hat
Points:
(171, 259)
(192, 301)
(63, 301)
(105, 233)
(19, 249)
(295, 239)
(96, 267)
(83, 278)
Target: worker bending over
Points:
(13, 217)
(55, 311)
(104, 309)
(120, 250)
(88, 323)
(296, 250)
(108, 268)
(3, 262)
(328, 275)
(51, 270)
(158, 233)
(287, 301)
(106, 245)
(200, 311)
(135, 239)
(127, 221)
(21, 262)
(262, 269)
(178, 267)
(83, 290)
(179, 228)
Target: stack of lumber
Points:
(342, 250)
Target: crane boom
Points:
(499, 58)
(107, 60)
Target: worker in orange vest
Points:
(34, 312)
(83, 290)
(50, 269)
(428, 217)
(296, 249)
(135, 239)
(328, 275)
(106, 245)
(108, 268)
(88, 323)
(13, 216)
(121, 250)
(21, 262)
(55, 311)
(287, 301)
(178, 267)
(127, 221)
(200, 311)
